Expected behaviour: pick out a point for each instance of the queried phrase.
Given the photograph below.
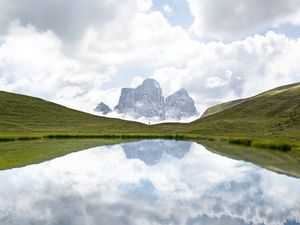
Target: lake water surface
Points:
(147, 182)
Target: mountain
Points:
(147, 101)
(144, 101)
(126, 103)
(180, 105)
(103, 108)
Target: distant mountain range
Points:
(147, 101)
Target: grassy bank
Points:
(257, 143)
(276, 145)
(281, 162)
(21, 153)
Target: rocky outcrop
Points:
(127, 101)
(103, 108)
(147, 101)
(144, 101)
(180, 105)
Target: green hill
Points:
(24, 115)
(221, 107)
(226, 105)
(268, 120)
(274, 114)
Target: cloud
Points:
(33, 63)
(145, 40)
(68, 20)
(82, 66)
(217, 72)
(233, 19)
(167, 9)
(34, 59)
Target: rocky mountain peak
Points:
(180, 105)
(103, 108)
(182, 91)
(126, 103)
(144, 101)
(147, 101)
(150, 84)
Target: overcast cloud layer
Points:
(78, 53)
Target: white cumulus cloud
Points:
(234, 18)
(82, 66)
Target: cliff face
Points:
(180, 105)
(144, 101)
(127, 102)
(147, 101)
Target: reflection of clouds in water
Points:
(143, 190)
(101, 186)
(223, 220)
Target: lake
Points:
(147, 182)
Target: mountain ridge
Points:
(147, 101)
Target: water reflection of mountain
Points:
(101, 186)
(151, 151)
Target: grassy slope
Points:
(24, 115)
(271, 115)
(221, 107)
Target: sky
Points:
(81, 52)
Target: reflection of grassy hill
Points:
(21, 153)
(287, 163)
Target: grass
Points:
(5, 139)
(269, 120)
(240, 141)
(221, 107)
(281, 162)
(272, 145)
(113, 136)
(276, 145)
(21, 153)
